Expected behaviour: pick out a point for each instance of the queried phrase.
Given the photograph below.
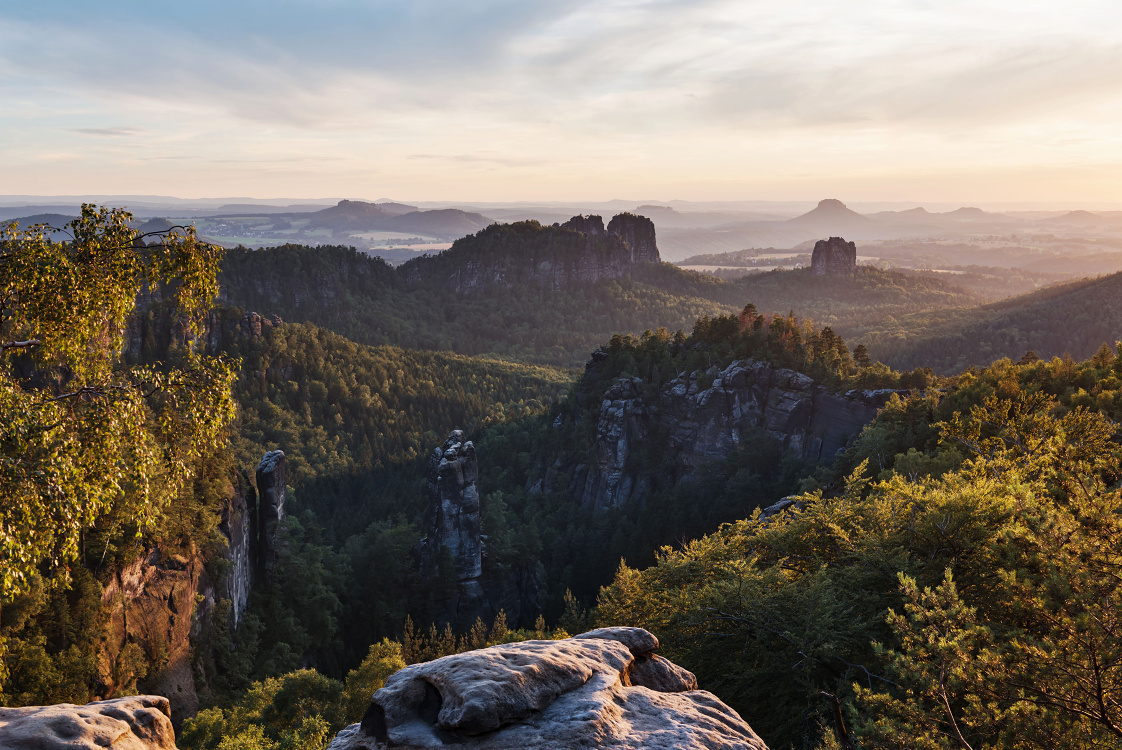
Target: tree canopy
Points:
(83, 431)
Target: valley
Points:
(547, 427)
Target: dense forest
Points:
(1072, 319)
(369, 302)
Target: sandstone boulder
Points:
(605, 689)
(140, 722)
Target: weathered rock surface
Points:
(453, 520)
(239, 525)
(140, 722)
(164, 598)
(151, 604)
(454, 526)
(595, 690)
(700, 418)
(270, 489)
(639, 234)
(833, 257)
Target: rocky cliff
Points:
(455, 542)
(453, 521)
(700, 417)
(270, 510)
(548, 257)
(639, 234)
(158, 605)
(833, 257)
(605, 688)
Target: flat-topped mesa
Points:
(833, 257)
(605, 688)
(639, 234)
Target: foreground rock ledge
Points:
(140, 722)
(605, 688)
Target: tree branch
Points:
(6, 345)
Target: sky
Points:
(523, 100)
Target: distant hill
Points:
(831, 217)
(446, 223)
(1078, 218)
(1073, 318)
(55, 221)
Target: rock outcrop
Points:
(699, 417)
(833, 257)
(140, 722)
(454, 537)
(239, 526)
(164, 599)
(591, 224)
(526, 253)
(639, 234)
(605, 688)
(453, 521)
(270, 490)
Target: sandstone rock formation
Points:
(140, 722)
(833, 257)
(605, 689)
(591, 224)
(152, 606)
(454, 528)
(639, 234)
(549, 257)
(701, 416)
(453, 520)
(164, 599)
(270, 488)
(239, 526)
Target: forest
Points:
(949, 579)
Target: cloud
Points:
(684, 90)
(109, 132)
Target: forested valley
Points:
(948, 578)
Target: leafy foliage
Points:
(81, 433)
(973, 609)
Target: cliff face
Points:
(270, 511)
(699, 417)
(161, 602)
(454, 537)
(639, 234)
(548, 257)
(833, 257)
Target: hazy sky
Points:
(527, 100)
